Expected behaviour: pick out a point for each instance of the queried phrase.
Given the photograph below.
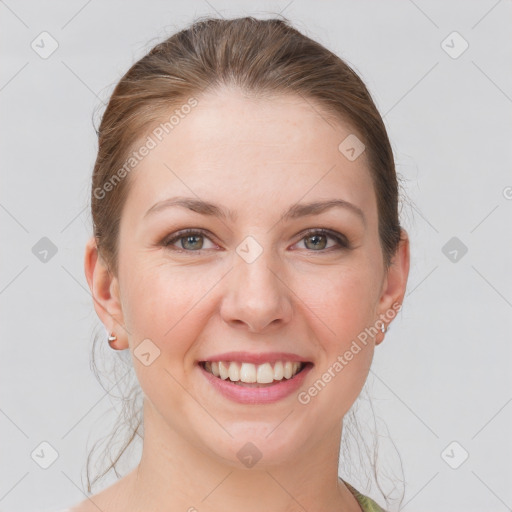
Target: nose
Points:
(257, 296)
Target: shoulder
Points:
(86, 505)
(116, 497)
(367, 504)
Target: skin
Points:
(266, 154)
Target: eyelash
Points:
(340, 239)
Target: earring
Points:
(111, 339)
(383, 327)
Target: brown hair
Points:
(261, 57)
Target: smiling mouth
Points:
(254, 375)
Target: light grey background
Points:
(443, 372)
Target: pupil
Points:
(189, 238)
(317, 237)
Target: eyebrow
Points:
(294, 212)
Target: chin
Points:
(259, 446)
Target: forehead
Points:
(253, 153)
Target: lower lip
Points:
(265, 395)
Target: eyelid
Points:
(341, 240)
(174, 237)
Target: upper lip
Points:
(256, 358)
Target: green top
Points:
(367, 504)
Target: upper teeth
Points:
(248, 372)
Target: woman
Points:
(247, 250)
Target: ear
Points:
(104, 288)
(394, 285)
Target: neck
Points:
(175, 474)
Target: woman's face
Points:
(256, 282)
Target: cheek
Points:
(344, 314)
(344, 307)
(344, 302)
(165, 305)
(162, 305)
